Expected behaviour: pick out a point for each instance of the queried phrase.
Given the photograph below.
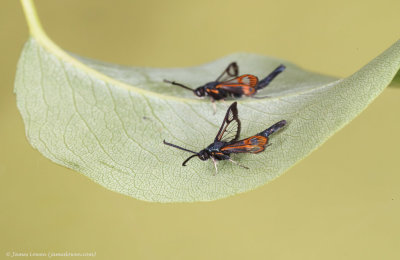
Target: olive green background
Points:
(342, 202)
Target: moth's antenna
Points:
(178, 84)
(190, 157)
(179, 147)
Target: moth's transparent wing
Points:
(230, 128)
(232, 71)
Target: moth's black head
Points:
(200, 91)
(204, 155)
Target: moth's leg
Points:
(215, 165)
(238, 164)
(213, 105)
(260, 97)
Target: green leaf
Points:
(108, 121)
(396, 80)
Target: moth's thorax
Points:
(211, 85)
(215, 147)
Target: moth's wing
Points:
(253, 144)
(232, 71)
(245, 85)
(230, 128)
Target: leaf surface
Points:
(108, 121)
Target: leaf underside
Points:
(113, 133)
(396, 80)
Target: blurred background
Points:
(342, 202)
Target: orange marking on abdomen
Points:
(249, 91)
